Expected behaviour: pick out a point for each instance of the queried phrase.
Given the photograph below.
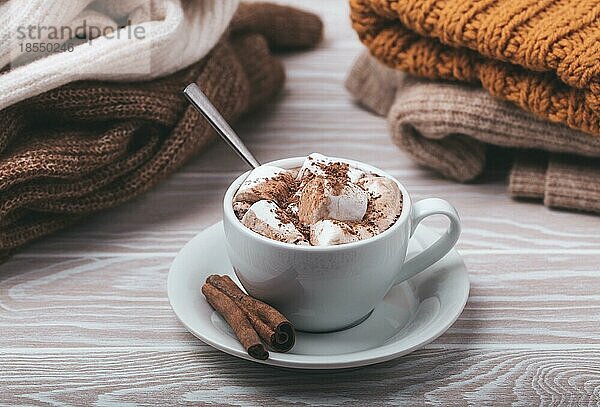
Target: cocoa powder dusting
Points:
(337, 175)
(371, 215)
(281, 216)
(278, 189)
(286, 215)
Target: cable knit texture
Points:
(543, 55)
(450, 127)
(176, 34)
(92, 145)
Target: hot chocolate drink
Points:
(324, 202)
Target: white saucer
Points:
(410, 316)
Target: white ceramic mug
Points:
(327, 288)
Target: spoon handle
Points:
(212, 115)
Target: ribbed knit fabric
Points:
(543, 55)
(176, 34)
(88, 146)
(448, 126)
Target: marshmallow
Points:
(330, 232)
(320, 199)
(240, 208)
(386, 200)
(265, 182)
(267, 219)
(313, 165)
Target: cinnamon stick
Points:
(270, 324)
(237, 320)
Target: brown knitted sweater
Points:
(543, 55)
(90, 146)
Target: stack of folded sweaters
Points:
(91, 127)
(523, 75)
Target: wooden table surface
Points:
(85, 319)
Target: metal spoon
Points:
(212, 115)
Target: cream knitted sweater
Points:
(173, 34)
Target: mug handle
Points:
(433, 253)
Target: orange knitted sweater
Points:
(543, 55)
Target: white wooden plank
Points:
(515, 300)
(206, 377)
